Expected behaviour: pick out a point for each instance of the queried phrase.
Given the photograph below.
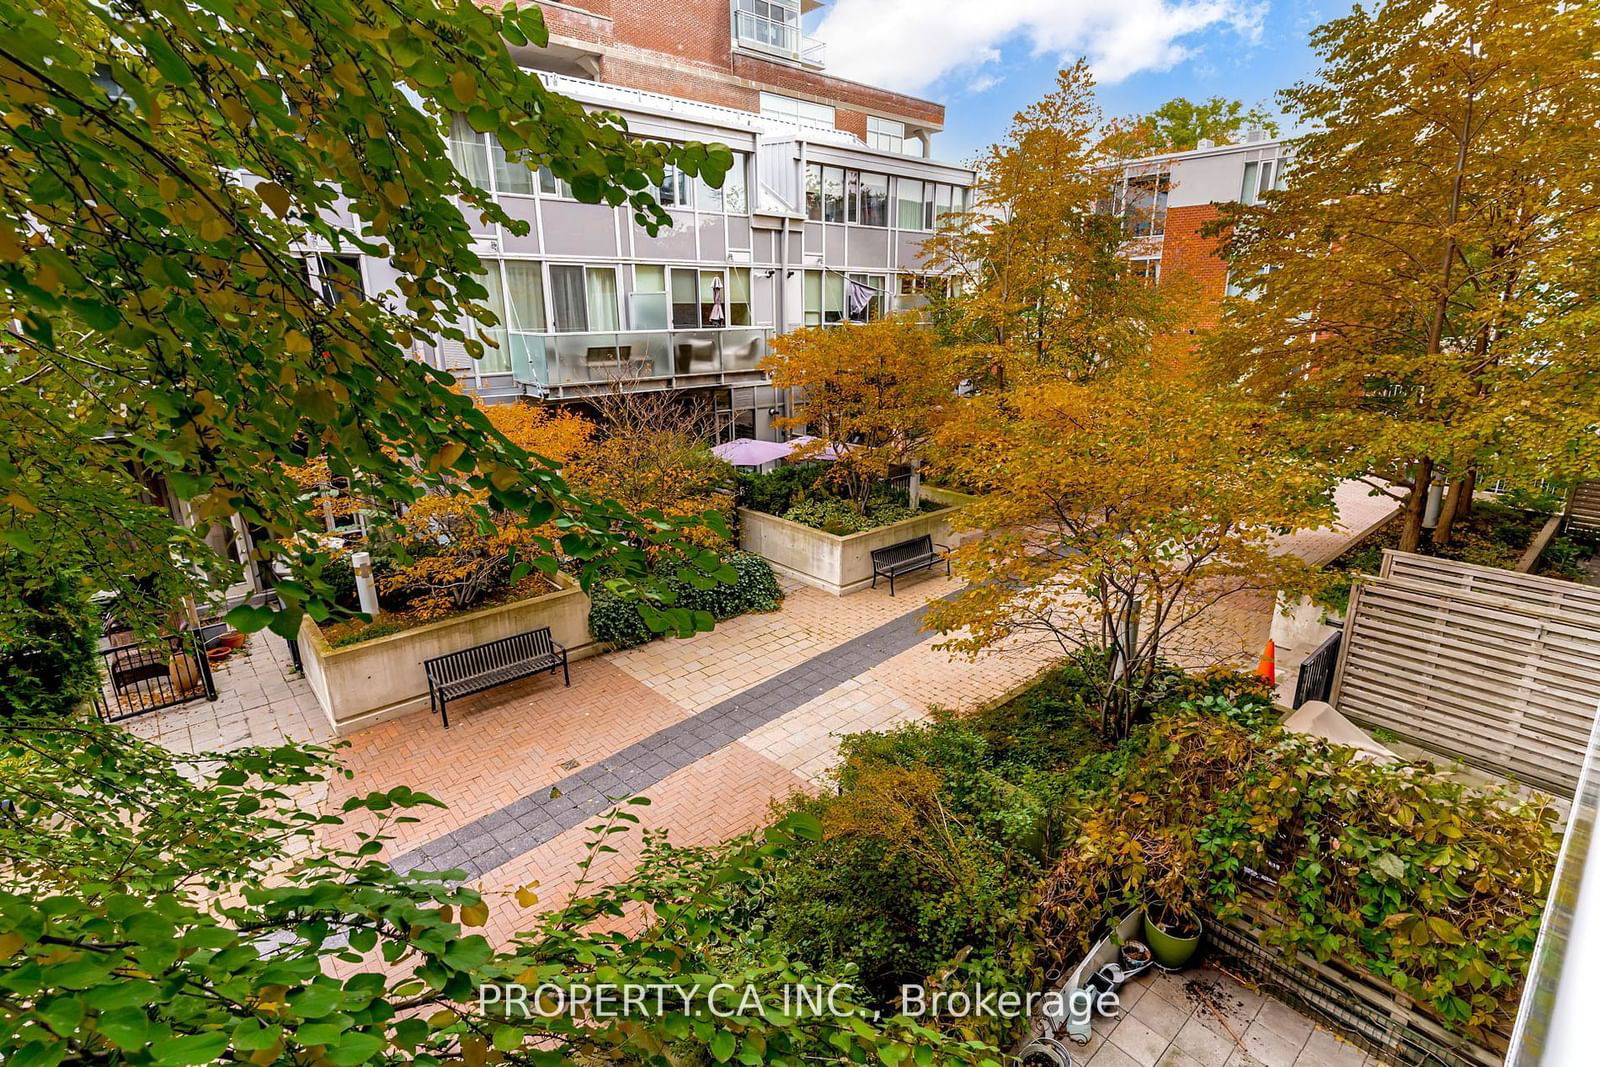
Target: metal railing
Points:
(1315, 681)
(558, 361)
(144, 676)
(781, 38)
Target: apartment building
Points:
(834, 189)
(1166, 201)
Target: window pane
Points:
(713, 298)
(685, 298)
(908, 195)
(603, 298)
(833, 297)
(814, 192)
(875, 200)
(524, 296)
(469, 152)
(943, 203)
(1266, 176)
(739, 296)
(510, 175)
(733, 197)
(567, 298)
(707, 198)
(495, 360)
(1247, 194)
(649, 278)
(813, 298)
(550, 185)
(832, 194)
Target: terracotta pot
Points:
(184, 672)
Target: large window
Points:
(710, 299)
(835, 194)
(511, 174)
(583, 298)
(729, 198)
(886, 135)
(787, 107)
(1144, 205)
(516, 296)
(865, 301)
(824, 297)
(771, 24)
(1259, 179)
(926, 205)
(338, 278)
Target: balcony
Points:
(774, 37)
(582, 364)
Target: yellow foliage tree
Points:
(1421, 293)
(458, 549)
(651, 455)
(1042, 282)
(869, 393)
(1117, 514)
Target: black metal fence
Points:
(1316, 673)
(137, 677)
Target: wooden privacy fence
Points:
(1497, 669)
(1583, 508)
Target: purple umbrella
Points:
(745, 452)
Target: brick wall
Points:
(1187, 254)
(685, 49)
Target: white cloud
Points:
(908, 45)
(983, 83)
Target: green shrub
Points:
(618, 623)
(839, 517)
(1434, 886)
(778, 490)
(48, 662)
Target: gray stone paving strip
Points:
(501, 836)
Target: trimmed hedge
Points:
(778, 490)
(618, 623)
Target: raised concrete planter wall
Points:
(834, 564)
(365, 683)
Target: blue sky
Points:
(985, 59)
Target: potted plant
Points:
(1172, 926)
(1173, 934)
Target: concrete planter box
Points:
(365, 683)
(834, 564)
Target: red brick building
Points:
(1167, 200)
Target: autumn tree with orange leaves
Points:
(870, 393)
(1118, 514)
(453, 555)
(1042, 285)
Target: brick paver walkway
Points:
(713, 729)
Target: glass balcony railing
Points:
(561, 361)
(778, 37)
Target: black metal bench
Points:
(472, 670)
(918, 554)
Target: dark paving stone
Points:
(500, 836)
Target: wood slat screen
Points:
(1498, 669)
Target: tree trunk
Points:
(1450, 511)
(1464, 501)
(1416, 504)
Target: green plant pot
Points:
(1170, 950)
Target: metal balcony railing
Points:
(780, 38)
(558, 362)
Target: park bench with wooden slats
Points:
(917, 554)
(472, 670)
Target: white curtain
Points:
(602, 298)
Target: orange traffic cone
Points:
(1267, 665)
